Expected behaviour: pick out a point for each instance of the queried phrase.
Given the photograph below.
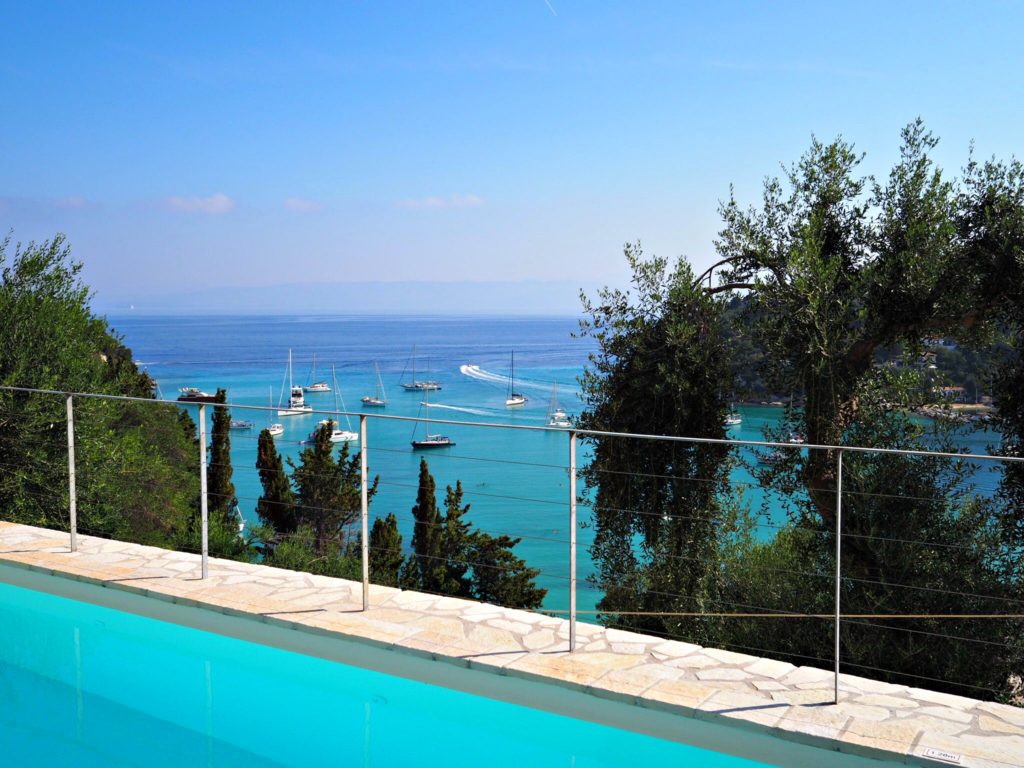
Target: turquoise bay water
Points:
(88, 686)
(516, 481)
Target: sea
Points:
(515, 481)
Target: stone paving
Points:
(872, 719)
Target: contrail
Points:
(550, 7)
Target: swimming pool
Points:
(88, 686)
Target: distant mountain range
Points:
(528, 297)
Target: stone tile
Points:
(538, 639)
(693, 661)
(680, 693)
(769, 685)
(673, 649)
(749, 707)
(944, 699)
(722, 673)
(802, 675)
(990, 724)
(882, 700)
(979, 751)
(1013, 715)
(874, 738)
(728, 657)
(770, 668)
(797, 696)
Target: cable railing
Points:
(552, 513)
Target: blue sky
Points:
(207, 145)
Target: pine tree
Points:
(219, 488)
(386, 559)
(327, 490)
(276, 507)
(501, 578)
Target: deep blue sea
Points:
(515, 481)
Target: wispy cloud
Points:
(451, 201)
(303, 205)
(213, 205)
(42, 205)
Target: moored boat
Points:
(316, 386)
(195, 395)
(429, 440)
(557, 417)
(418, 385)
(378, 399)
(296, 400)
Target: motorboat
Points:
(296, 400)
(195, 395)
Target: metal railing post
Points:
(204, 510)
(572, 540)
(839, 552)
(364, 511)
(72, 489)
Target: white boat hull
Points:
(296, 411)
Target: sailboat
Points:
(557, 417)
(316, 386)
(417, 385)
(379, 399)
(515, 399)
(337, 435)
(429, 440)
(296, 401)
(273, 428)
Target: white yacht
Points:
(273, 428)
(316, 386)
(557, 417)
(296, 401)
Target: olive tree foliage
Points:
(659, 508)
(839, 266)
(137, 463)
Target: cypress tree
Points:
(276, 507)
(219, 488)
(451, 558)
(421, 570)
(455, 546)
(386, 557)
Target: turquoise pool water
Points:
(89, 686)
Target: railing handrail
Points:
(535, 428)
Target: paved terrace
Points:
(873, 719)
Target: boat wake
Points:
(474, 411)
(478, 373)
